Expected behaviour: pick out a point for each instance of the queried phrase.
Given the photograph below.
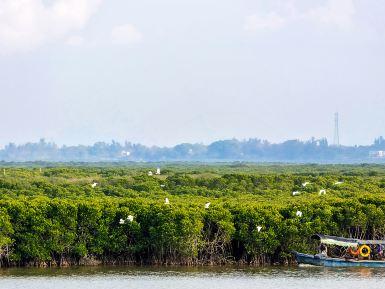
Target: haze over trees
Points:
(251, 150)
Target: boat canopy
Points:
(345, 242)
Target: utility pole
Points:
(336, 140)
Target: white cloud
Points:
(75, 40)
(126, 34)
(270, 21)
(28, 24)
(333, 13)
(338, 13)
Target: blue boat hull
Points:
(335, 262)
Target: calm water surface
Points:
(194, 278)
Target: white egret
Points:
(322, 192)
(166, 201)
(150, 173)
(207, 205)
(298, 214)
(305, 184)
(130, 218)
(94, 185)
(259, 228)
(157, 171)
(295, 193)
(121, 221)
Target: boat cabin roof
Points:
(345, 242)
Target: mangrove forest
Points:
(187, 214)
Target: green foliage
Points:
(6, 231)
(55, 215)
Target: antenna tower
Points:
(336, 140)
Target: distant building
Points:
(125, 153)
(377, 154)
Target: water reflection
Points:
(192, 277)
(206, 271)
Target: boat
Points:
(356, 253)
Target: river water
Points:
(194, 278)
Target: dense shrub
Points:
(55, 217)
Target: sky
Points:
(163, 72)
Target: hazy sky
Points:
(162, 72)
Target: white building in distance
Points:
(377, 154)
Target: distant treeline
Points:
(252, 150)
